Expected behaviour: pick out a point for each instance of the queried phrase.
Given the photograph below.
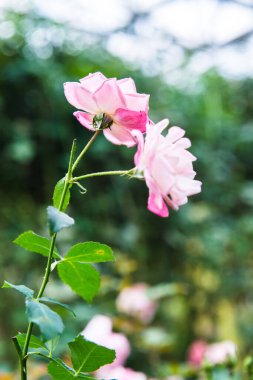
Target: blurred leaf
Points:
(58, 220)
(166, 290)
(83, 279)
(89, 252)
(35, 243)
(55, 302)
(58, 190)
(35, 344)
(20, 288)
(49, 322)
(87, 356)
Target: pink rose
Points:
(196, 352)
(218, 353)
(120, 373)
(166, 166)
(215, 353)
(135, 301)
(99, 330)
(114, 105)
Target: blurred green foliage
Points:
(206, 246)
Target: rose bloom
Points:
(110, 104)
(215, 353)
(99, 331)
(196, 352)
(120, 373)
(134, 301)
(166, 166)
(218, 353)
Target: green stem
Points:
(100, 174)
(21, 360)
(85, 150)
(48, 267)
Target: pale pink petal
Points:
(138, 136)
(79, 97)
(183, 143)
(177, 198)
(189, 186)
(109, 97)
(175, 133)
(154, 134)
(127, 85)
(93, 81)
(120, 373)
(98, 329)
(85, 119)
(131, 119)
(137, 102)
(119, 135)
(163, 175)
(155, 141)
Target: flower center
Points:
(102, 121)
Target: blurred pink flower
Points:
(134, 301)
(196, 352)
(166, 166)
(120, 373)
(215, 353)
(99, 330)
(116, 101)
(218, 353)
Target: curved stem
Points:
(23, 359)
(85, 150)
(100, 174)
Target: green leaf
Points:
(27, 292)
(35, 344)
(82, 278)
(60, 371)
(52, 344)
(89, 252)
(58, 190)
(58, 220)
(88, 356)
(49, 322)
(55, 302)
(35, 243)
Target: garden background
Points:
(201, 256)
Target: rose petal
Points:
(156, 203)
(109, 97)
(127, 85)
(85, 119)
(138, 136)
(131, 119)
(137, 102)
(79, 97)
(119, 135)
(175, 133)
(93, 81)
(189, 186)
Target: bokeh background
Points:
(195, 58)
